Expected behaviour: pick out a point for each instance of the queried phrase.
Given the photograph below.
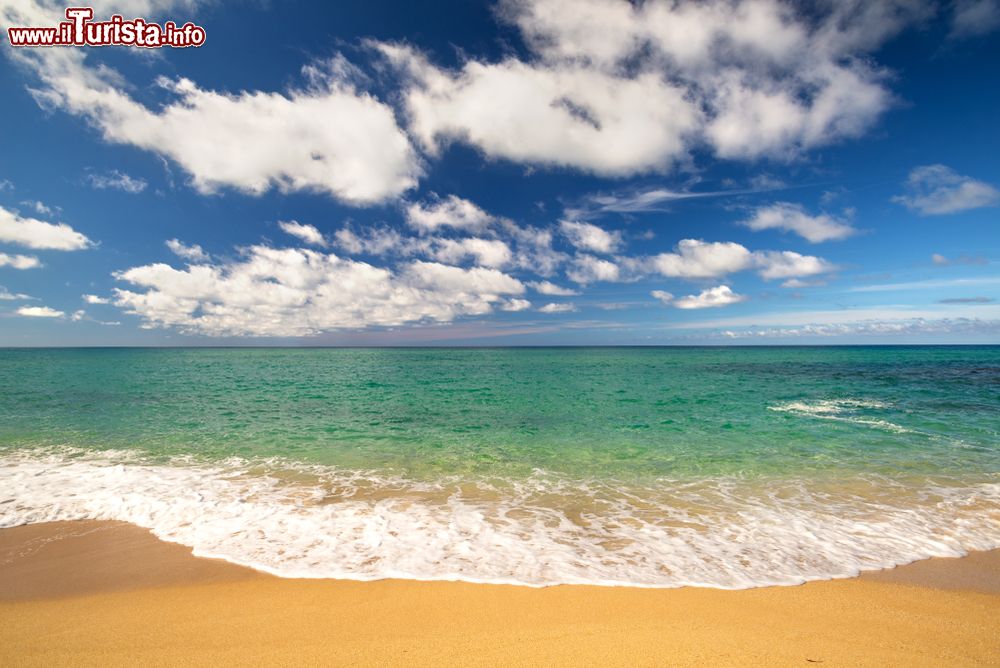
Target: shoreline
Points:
(110, 593)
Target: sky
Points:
(527, 172)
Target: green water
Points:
(590, 412)
(723, 467)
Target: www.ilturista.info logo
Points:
(80, 30)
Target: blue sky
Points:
(506, 174)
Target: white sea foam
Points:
(314, 521)
(843, 410)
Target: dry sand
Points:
(107, 593)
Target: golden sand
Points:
(104, 593)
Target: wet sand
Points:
(109, 593)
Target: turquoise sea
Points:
(723, 467)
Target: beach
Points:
(496, 507)
(108, 593)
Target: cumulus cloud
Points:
(38, 234)
(794, 218)
(551, 289)
(557, 308)
(326, 136)
(694, 258)
(19, 261)
(116, 180)
(484, 252)
(194, 253)
(299, 292)
(589, 237)
(515, 305)
(39, 312)
(589, 269)
(94, 299)
(452, 211)
(708, 298)
(504, 244)
(560, 114)
(937, 189)
(697, 259)
(789, 264)
(307, 233)
(618, 88)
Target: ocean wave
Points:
(843, 410)
(312, 521)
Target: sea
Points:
(725, 467)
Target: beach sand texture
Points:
(109, 593)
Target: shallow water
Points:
(727, 467)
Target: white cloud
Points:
(78, 315)
(494, 253)
(533, 248)
(452, 211)
(589, 269)
(551, 289)
(94, 299)
(194, 253)
(38, 234)
(559, 114)
(326, 137)
(39, 312)
(515, 305)
(557, 308)
(300, 292)
(799, 283)
(793, 218)
(974, 18)
(378, 241)
(6, 184)
(7, 295)
(937, 189)
(41, 208)
(589, 237)
(618, 88)
(663, 296)
(485, 252)
(699, 259)
(307, 233)
(19, 261)
(789, 264)
(116, 180)
(708, 298)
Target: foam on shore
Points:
(312, 521)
